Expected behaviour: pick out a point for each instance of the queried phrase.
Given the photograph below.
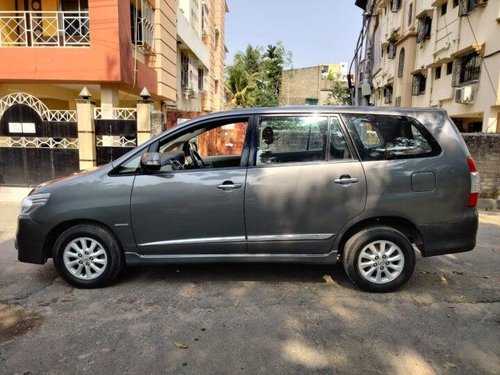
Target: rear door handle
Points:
(346, 180)
(228, 186)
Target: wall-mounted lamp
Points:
(145, 95)
(85, 93)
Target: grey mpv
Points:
(364, 186)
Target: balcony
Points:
(44, 29)
(190, 39)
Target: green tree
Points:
(339, 94)
(254, 78)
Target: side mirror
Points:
(151, 161)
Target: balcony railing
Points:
(44, 29)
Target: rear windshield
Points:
(385, 137)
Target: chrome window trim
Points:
(291, 237)
(187, 241)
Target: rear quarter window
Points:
(386, 137)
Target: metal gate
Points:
(115, 131)
(36, 144)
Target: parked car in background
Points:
(363, 186)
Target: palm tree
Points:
(254, 78)
(242, 76)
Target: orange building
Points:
(52, 48)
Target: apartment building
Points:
(311, 85)
(51, 49)
(439, 53)
(200, 59)
(83, 81)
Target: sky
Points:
(315, 31)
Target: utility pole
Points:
(364, 91)
(366, 87)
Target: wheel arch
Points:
(401, 224)
(54, 234)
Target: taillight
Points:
(474, 183)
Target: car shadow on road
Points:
(225, 272)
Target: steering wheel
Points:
(196, 158)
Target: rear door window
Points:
(291, 139)
(385, 137)
(300, 139)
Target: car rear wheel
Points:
(379, 259)
(87, 256)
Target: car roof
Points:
(311, 109)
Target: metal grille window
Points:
(201, 79)
(204, 18)
(468, 6)
(142, 24)
(418, 87)
(444, 8)
(388, 94)
(449, 68)
(395, 5)
(195, 15)
(401, 62)
(391, 50)
(424, 29)
(437, 73)
(184, 70)
(467, 69)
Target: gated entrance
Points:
(36, 144)
(116, 133)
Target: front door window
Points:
(217, 145)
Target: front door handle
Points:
(228, 186)
(346, 180)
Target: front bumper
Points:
(448, 238)
(30, 240)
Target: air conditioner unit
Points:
(465, 94)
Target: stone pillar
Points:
(157, 121)
(86, 133)
(144, 110)
(109, 99)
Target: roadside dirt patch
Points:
(16, 320)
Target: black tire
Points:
(113, 254)
(355, 245)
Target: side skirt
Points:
(132, 258)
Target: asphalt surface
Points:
(249, 319)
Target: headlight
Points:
(32, 202)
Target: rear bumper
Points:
(30, 238)
(448, 238)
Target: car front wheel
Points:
(87, 256)
(379, 259)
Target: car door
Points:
(195, 210)
(305, 184)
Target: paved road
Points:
(249, 319)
